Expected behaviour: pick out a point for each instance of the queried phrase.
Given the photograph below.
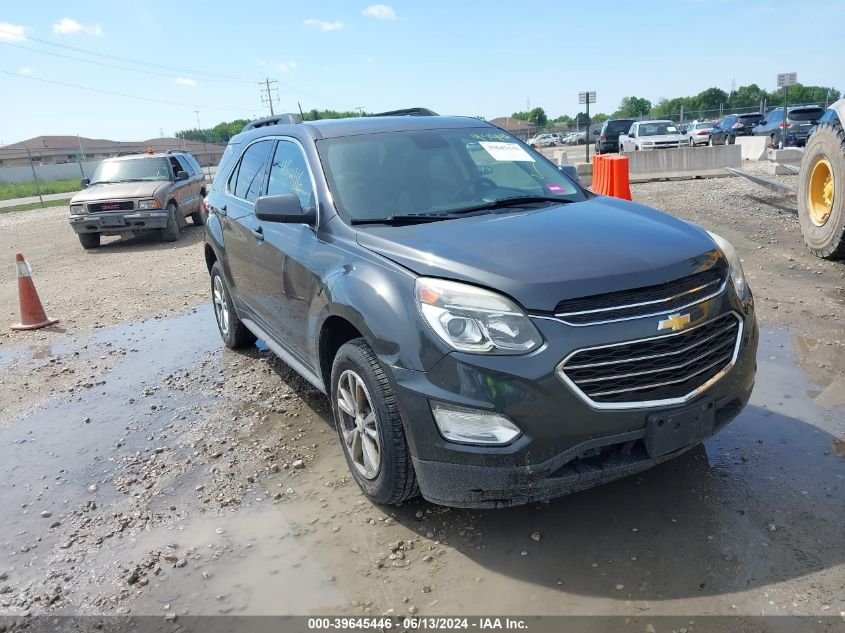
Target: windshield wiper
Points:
(413, 218)
(511, 201)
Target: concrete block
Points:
(777, 169)
(753, 147)
(685, 162)
(560, 157)
(585, 173)
(792, 155)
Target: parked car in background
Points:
(698, 133)
(608, 136)
(577, 138)
(799, 123)
(543, 140)
(141, 192)
(733, 125)
(613, 337)
(651, 135)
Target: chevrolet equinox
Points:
(489, 332)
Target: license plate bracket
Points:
(669, 431)
(112, 220)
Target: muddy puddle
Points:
(221, 521)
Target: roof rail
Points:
(277, 119)
(407, 112)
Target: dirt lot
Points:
(145, 470)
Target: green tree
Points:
(633, 107)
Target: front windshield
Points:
(131, 170)
(393, 174)
(657, 128)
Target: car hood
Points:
(543, 256)
(118, 191)
(662, 137)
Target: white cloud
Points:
(184, 81)
(26, 70)
(12, 32)
(324, 26)
(286, 67)
(69, 26)
(380, 12)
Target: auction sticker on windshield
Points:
(506, 151)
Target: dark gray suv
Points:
(488, 332)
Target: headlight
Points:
(148, 204)
(77, 209)
(736, 273)
(471, 319)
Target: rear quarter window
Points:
(806, 114)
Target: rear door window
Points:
(247, 179)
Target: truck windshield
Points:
(394, 174)
(131, 170)
(657, 128)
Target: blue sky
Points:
(470, 58)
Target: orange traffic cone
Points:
(32, 312)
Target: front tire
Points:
(233, 332)
(173, 230)
(89, 240)
(369, 425)
(821, 192)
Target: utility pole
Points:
(587, 98)
(34, 175)
(360, 110)
(204, 150)
(267, 94)
(785, 80)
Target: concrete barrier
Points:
(753, 147)
(684, 162)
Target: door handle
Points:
(258, 232)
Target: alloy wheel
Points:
(358, 424)
(221, 306)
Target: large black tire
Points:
(173, 230)
(89, 240)
(395, 480)
(199, 216)
(826, 239)
(234, 333)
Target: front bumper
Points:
(119, 222)
(566, 445)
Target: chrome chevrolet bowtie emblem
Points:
(674, 322)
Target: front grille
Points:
(99, 207)
(670, 367)
(640, 302)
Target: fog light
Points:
(473, 426)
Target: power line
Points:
(107, 65)
(121, 94)
(139, 62)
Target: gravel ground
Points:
(146, 470)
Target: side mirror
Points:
(571, 171)
(763, 122)
(85, 182)
(285, 209)
(181, 175)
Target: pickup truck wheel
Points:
(171, 232)
(821, 192)
(199, 216)
(369, 425)
(89, 240)
(234, 333)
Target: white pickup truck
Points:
(651, 135)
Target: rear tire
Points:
(393, 479)
(89, 240)
(173, 229)
(821, 192)
(233, 332)
(199, 216)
